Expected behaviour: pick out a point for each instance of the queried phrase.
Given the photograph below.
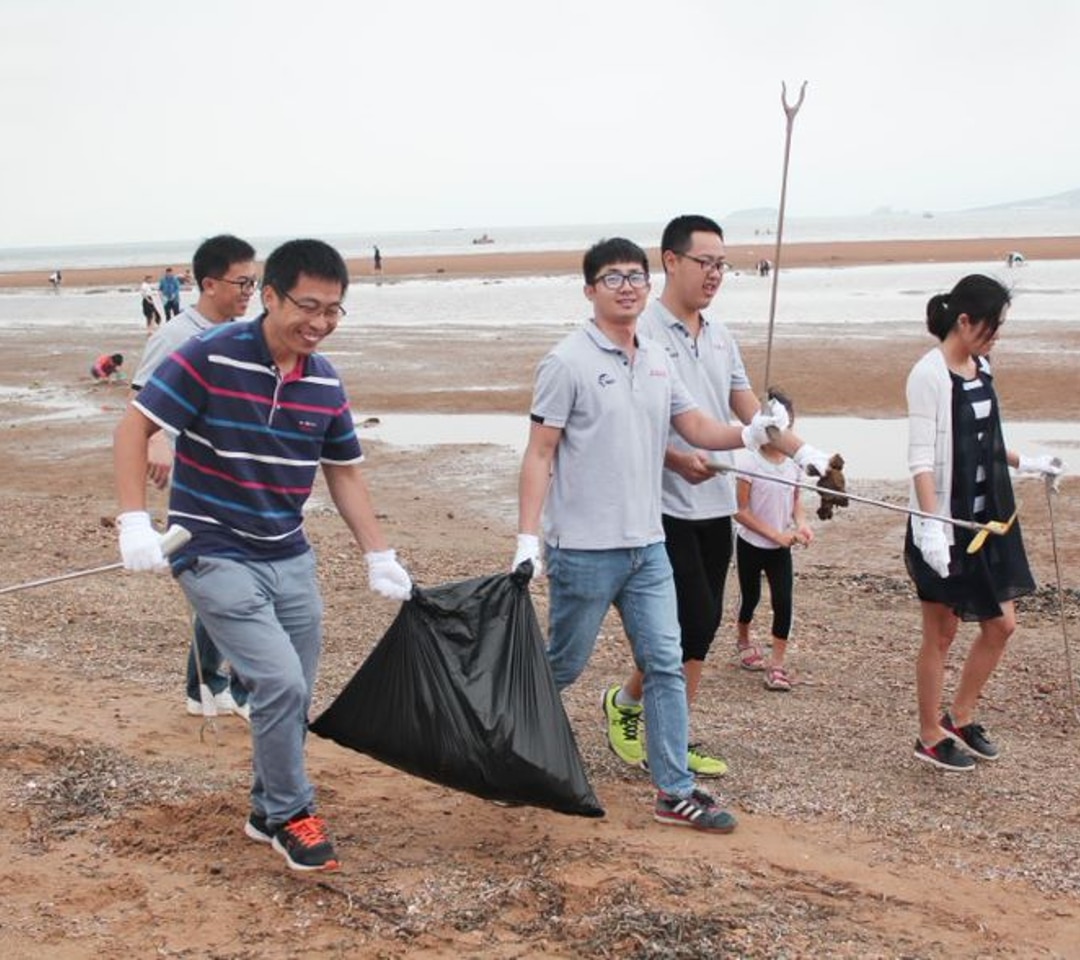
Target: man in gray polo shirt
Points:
(224, 268)
(698, 503)
(602, 405)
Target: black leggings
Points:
(776, 565)
(700, 554)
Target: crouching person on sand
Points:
(254, 410)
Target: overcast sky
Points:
(125, 120)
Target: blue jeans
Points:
(583, 584)
(266, 617)
(211, 660)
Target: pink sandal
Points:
(777, 679)
(750, 657)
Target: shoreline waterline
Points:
(743, 257)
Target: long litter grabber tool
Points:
(789, 111)
(982, 530)
(171, 541)
(1051, 490)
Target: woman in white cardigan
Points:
(960, 469)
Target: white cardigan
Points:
(930, 443)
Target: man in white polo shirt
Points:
(602, 405)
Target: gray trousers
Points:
(266, 618)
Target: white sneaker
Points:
(224, 704)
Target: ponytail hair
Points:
(982, 298)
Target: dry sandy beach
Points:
(122, 830)
(742, 257)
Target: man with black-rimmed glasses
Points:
(225, 275)
(603, 403)
(256, 410)
(698, 502)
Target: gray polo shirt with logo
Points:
(614, 416)
(165, 340)
(711, 367)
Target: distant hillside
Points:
(1069, 200)
(753, 213)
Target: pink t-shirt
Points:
(103, 366)
(772, 503)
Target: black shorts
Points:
(700, 554)
(150, 312)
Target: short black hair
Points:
(313, 258)
(677, 234)
(606, 252)
(214, 256)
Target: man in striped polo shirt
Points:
(255, 410)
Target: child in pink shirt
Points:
(770, 520)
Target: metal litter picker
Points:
(171, 541)
(982, 530)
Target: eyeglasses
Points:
(312, 308)
(614, 280)
(246, 284)
(706, 263)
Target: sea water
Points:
(1044, 292)
(879, 300)
(745, 228)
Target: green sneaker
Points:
(702, 765)
(624, 729)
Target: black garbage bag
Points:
(459, 692)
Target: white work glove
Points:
(528, 548)
(140, 543)
(929, 537)
(756, 433)
(807, 456)
(386, 576)
(1044, 465)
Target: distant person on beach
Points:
(151, 314)
(602, 405)
(56, 278)
(378, 260)
(1015, 259)
(225, 274)
(770, 522)
(107, 367)
(256, 410)
(169, 288)
(960, 469)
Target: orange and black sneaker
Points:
(305, 844)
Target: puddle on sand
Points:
(872, 449)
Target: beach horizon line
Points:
(743, 257)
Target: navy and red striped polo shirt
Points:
(249, 440)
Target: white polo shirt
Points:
(711, 367)
(614, 416)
